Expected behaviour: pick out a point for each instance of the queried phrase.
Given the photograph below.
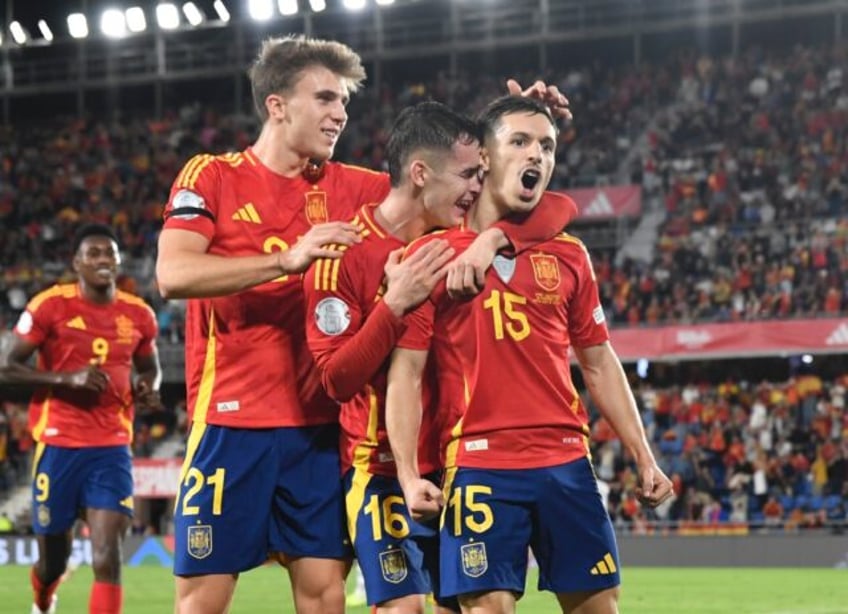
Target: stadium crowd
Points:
(749, 156)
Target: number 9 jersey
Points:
(72, 333)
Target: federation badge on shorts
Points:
(200, 541)
(546, 271)
(474, 561)
(316, 207)
(393, 566)
(43, 514)
(504, 267)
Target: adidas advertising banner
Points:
(732, 340)
(609, 202)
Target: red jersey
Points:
(517, 406)
(340, 296)
(72, 333)
(247, 364)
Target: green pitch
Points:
(646, 591)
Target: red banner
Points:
(156, 477)
(609, 202)
(732, 340)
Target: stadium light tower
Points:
(260, 10)
(167, 16)
(136, 21)
(77, 25)
(221, 9)
(317, 5)
(287, 7)
(354, 5)
(45, 30)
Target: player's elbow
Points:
(168, 282)
(336, 386)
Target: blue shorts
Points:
(246, 494)
(397, 556)
(493, 515)
(69, 480)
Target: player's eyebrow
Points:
(331, 95)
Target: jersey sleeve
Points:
(547, 219)
(348, 347)
(586, 320)
(373, 186)
(34, 323)
(193, 201)
(149, 331)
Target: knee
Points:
(320, 597)
(50, 569)
(106, 561)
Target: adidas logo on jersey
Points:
(839, 336)
(247, 213)
(605, 566)
(77, 323)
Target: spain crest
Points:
(200, 541)
(43, 514)
(546, 271)
(125, 329)
(316, 207)
(474, 560)
(393, 566)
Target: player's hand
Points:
(654, 486)
(466, 275)
(90, 379)
(423, 499)
(315, 244)
(145, 398)
(410, 281)
(548, 94)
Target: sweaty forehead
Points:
(318, 78)
(100, 242)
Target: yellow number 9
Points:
(100, 349)
(276, 244)
(42, 485)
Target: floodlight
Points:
(192, 13)
(221, 9)
(167, 16)
(136, 21)
(354, 5)
(77, 25)
(113, 23)
(384, 2)
(260, 10)
(287, 7)
(46, 32)
(19, 35)
(317, 5)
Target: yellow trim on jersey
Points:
(125, 421)
(371, 223)
(447, 484)
(362, 451)
(355, 498)
(184, 178)
(59, 290)
(36, 457)
(249, 157)
(39, 427)
(567, 238)
(207, 379)
(131, 299)
(194, 439)
(234, 159)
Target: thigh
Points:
(59, 476)
(485, 531)
(108, 483)
(308, 500)
(391, 548)
(573, 538)
(223, 507)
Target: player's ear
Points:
(484, 160)
(275, 104)
(418, 172)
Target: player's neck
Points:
(400, 218)
(101, 296)
(269, 148)
(485, 212)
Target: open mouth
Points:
(332, 134)
(530, 178)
